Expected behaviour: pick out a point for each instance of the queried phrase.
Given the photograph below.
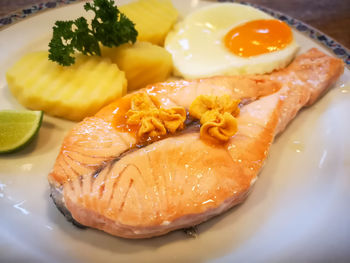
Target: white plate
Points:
(298, 210)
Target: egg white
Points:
(198, 49)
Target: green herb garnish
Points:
(109, 27)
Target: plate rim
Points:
(213, 257)
(337, 49)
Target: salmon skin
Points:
(102, 181)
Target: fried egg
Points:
(229, 39)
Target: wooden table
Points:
(330, 17)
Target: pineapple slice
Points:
(143, 63)
(153, 18)
(70, 92)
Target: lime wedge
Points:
(18, 128)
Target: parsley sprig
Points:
(109, 27)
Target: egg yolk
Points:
(258, 37)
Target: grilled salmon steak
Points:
(104, 178)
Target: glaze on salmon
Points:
(181, 181)
(95, 141)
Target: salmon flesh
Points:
(103, 179)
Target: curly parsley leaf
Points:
(109, 27)
(61, 48)
(84, 39)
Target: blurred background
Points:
(330, 17)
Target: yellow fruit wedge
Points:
(153, 18)
(18, 128)
(72, 92)
(143, 63)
